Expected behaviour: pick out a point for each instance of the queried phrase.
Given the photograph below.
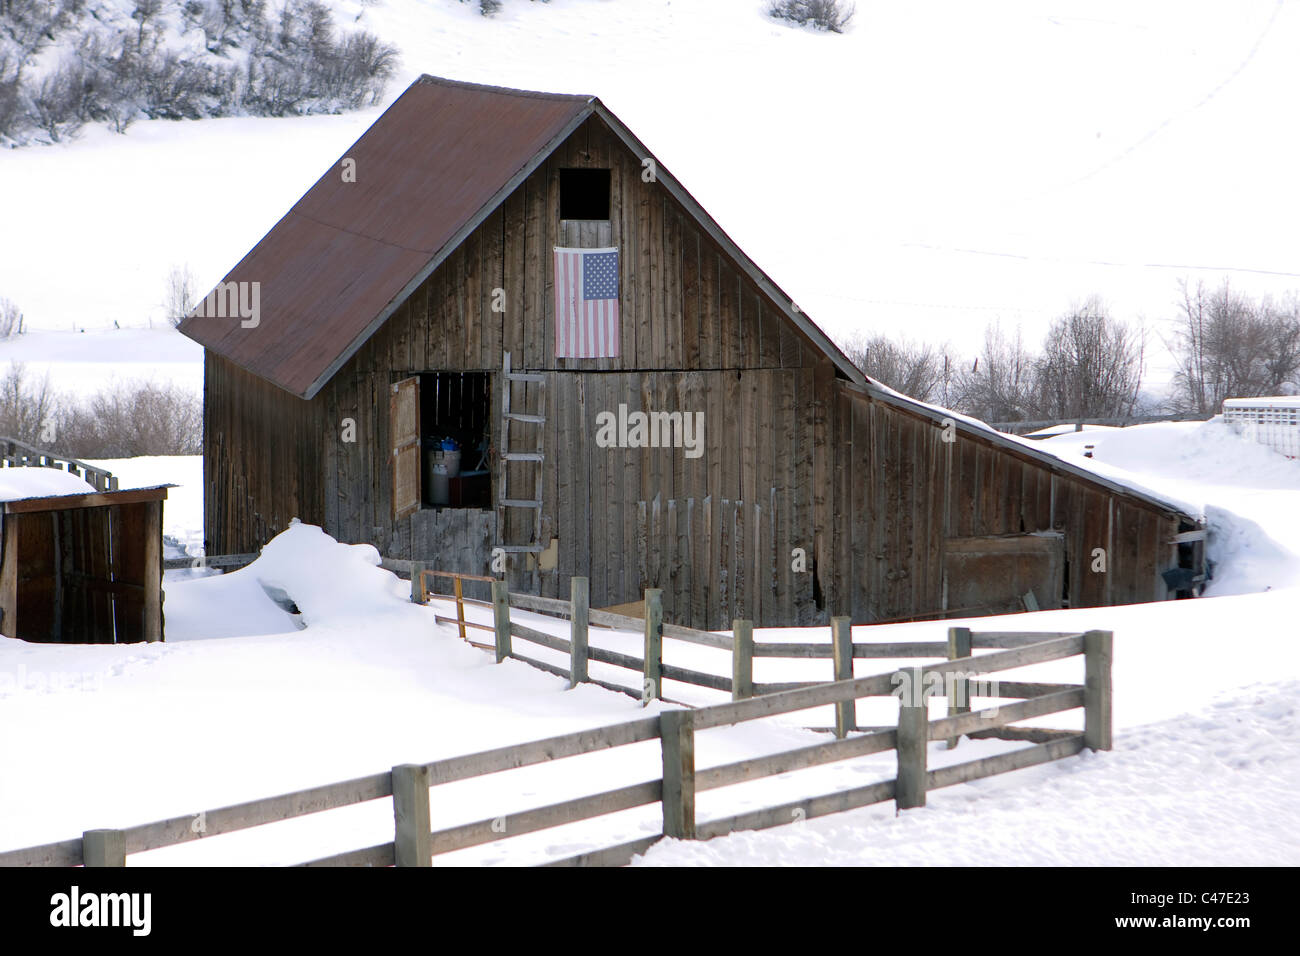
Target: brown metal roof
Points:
(431, 167)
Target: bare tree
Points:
(179, 298)
(999, 385)
(1229, 346)
(916, 369)
(11, 319)
(1091, 365)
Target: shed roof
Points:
(82, 499)
(437, 163)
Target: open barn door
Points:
(404, 422)
(1004, 573)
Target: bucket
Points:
(440, 466)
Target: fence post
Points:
(501, 618)
(1097, 689)
(579, 591)
(913, 734)
(418, 594)
(654, 645)
(959, 699)
(103, 848)
(460, 606)
(846, 711)
(677, 741)
(742, 659)
(413, 843)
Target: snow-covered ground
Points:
(247, 700)
(948, 163)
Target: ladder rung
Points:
(525, 377)
(536, 548)
(521, 417)
(519, 503)
(522, 456)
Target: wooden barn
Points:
(631, 398)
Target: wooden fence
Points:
(841, 652)
(415, 843)
(16, 454)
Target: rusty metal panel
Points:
(328, 272)
(991, 575)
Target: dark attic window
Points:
(584, 194)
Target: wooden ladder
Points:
(534, 457)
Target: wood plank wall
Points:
(263, 456)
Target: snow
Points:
(247, 699)
(1204, 788)
(183, 509)
(17, 483)
(96, 359)
(1052, 430)
(1247, 491)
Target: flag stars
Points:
(600, 275)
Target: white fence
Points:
(1274, 422)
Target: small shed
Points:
(79, 566)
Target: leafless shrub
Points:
(293, 63)
(132, 420)
(830, 15)
(26, 406)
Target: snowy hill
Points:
(66, 63)
(934, 167)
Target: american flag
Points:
(586, 303)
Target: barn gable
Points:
(437, 164)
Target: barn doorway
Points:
(440, 431)
(456, 435)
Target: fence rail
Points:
(842, 651)
(16, 454)
(415, 843)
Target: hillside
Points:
(930, 169)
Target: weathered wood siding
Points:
(904, 491)
(263, 455)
